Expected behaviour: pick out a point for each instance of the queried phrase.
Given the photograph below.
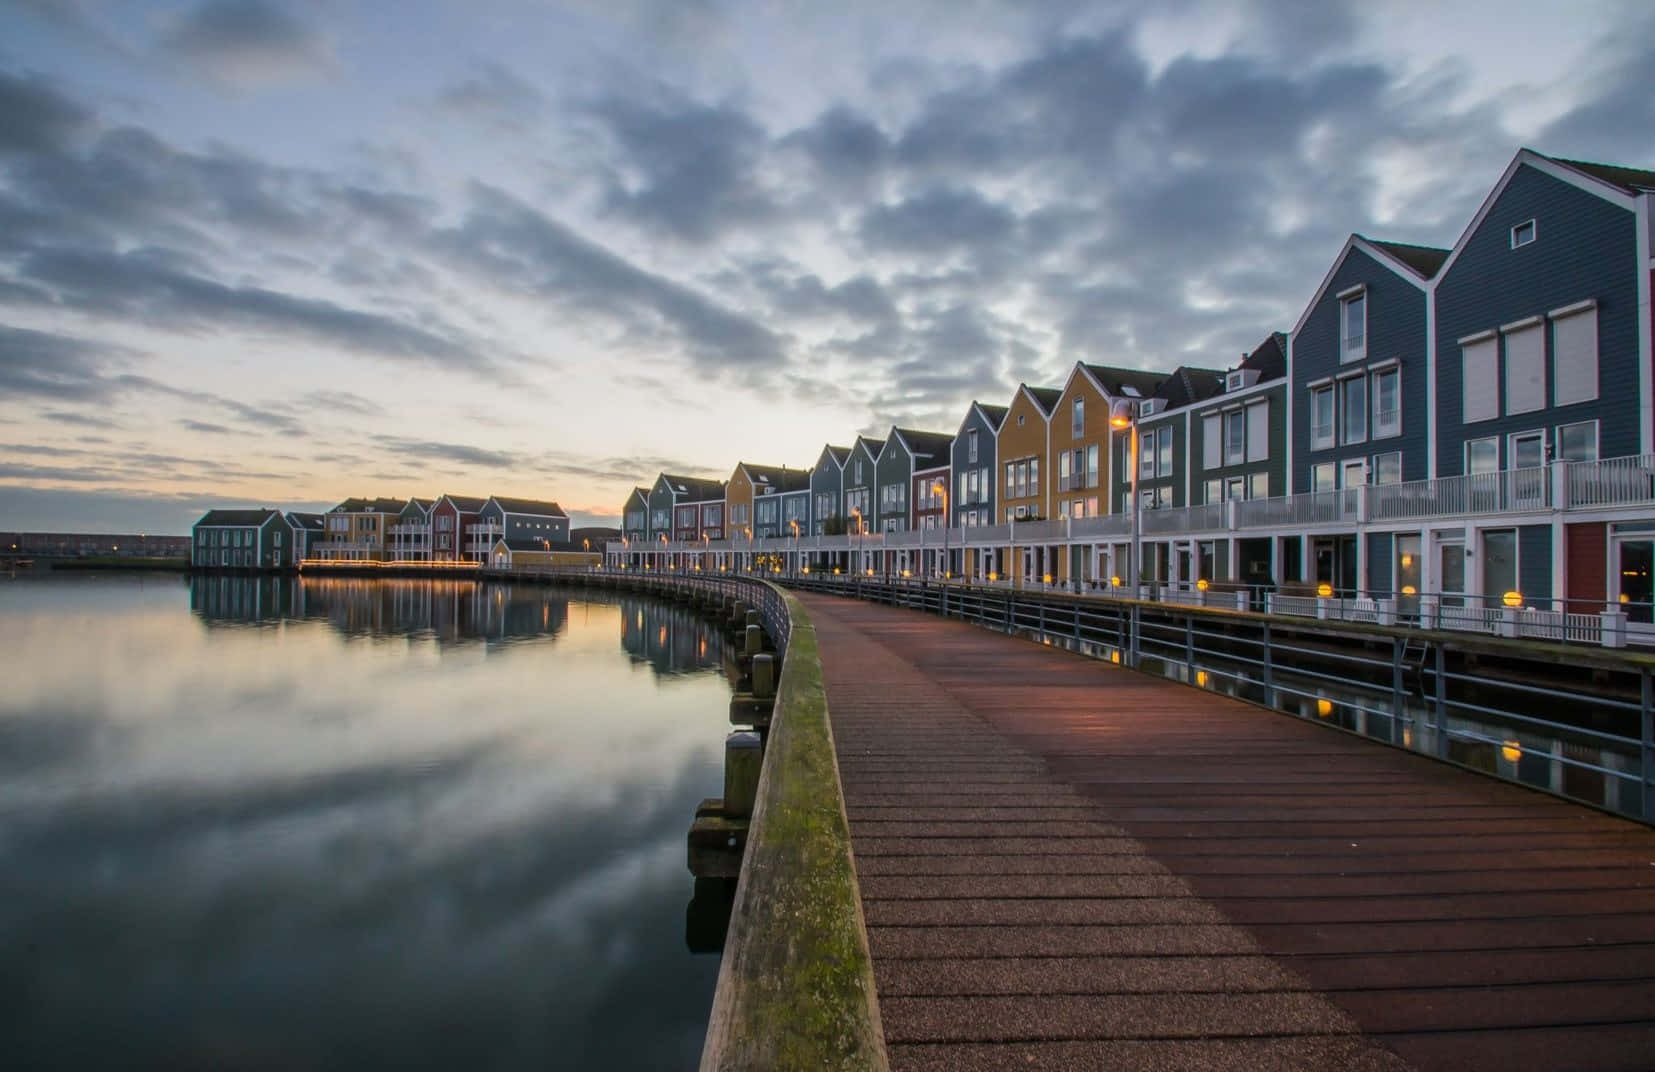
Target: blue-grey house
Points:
(974, 466)
(827, 490)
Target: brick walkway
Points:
(1068, 865)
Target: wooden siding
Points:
(738, 502)
(986, 460)
(661, 497)
(826, 479)
(1381, 555)
(1016, 442)
(850, 483)
(1095, 430)
(1534, 562)
(895, 466)
(1275, 466)
(1396, 329)
(1585, 247)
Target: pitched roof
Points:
(350, 506)
(1044, 397)
(1631, 180)
(1126, 382)
(467, 504)
(780, 477)
(528, 543)
(839, 453)
(238, 517)
(1187, 385)
(1269, 358)
(1424, 260)
(306, 521)
(695, 488)
(929, 449)
(425, 504)
(995, 415)
(532, 507)
(873, 446)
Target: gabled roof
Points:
(839, 454)
(1044, 398)
(871, 445)
(928, 449)
(350, 506)
(994, 415)
(1269, 358)
(640, 493)
(1631, 180)
(779, 477)
(1187, 385)
(1124, 382)
(253, 518)
(424, 504)
(370, 506)
(313, 522)
(694, 488)
(1382, 254)
(465, 503)
(1422, 260)
(530, 507)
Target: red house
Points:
(450, 518)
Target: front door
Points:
(1407, 575)
(1451, 574)
(1637, 578)
(1499, 565)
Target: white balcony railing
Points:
(1612, 482)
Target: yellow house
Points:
(1023, 450)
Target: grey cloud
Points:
(84, 420)
(796, 293)
(846, 148)
(495, 93)
(41, 364)
(35, 117)
(254, 415)
(206, 427)
(938, 221)
(519, 249)
(1616, 122)
(343, 401)
(685, 169)
(247, 42)
(453, 452)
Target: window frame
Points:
(1348, 300)
(1376, 429)
(1597, 440)
(1329, 439)
(1534, 233)
(1346, 436)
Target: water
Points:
(262, 823)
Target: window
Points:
(276, 537)
(1258, 432)
(1092, 465)
(1522, 234)
(1321, 418)
(1480, 382)
(1354, 472)
(1022, 479)
(970, 485)
(1146, 454)
(1322, 476)
(1011, 479)
(1575, 358)
(1235, 488)
(1235, 438)
(1387, 403)
(1034, 476)
(1387, 468)
(1258, 486)
(1354, 399)
(1163, 453)
(1578, 442)
(1213, 491)
(971, 445)
(1078, 422)
(1528, 450)
(1353, 327)
(858, 476)
(1212, 443)
(1525, 369)
(1063, 470)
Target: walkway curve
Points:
(1068, 865)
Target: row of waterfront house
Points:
(447, 530)
(1460, 424)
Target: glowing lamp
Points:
(1511, 751)
(1512, 599)
(1114, 582)
(870, 571)
(1115, 655)
(1324, 708)
(1201, 679)
(1324, 589)
(1624, 597)
(1409, 590)
(1201, 585)
(1046, 577)
(1119, 421)
(993, 576)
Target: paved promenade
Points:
(1067, 865)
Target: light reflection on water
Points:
(272, 823)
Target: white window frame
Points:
(1077, 417)
(1328, 468)
(1534, 234)
(1353, 465)
(971, 445)
(1480, 354)
(1347, 351)
(1325, 438)
(1597, 440)
(1212, 441)
(1347, 437)
(1515, 437)
(1377, 429)
(1374, 469)
(1258, 431)
(1235, 421)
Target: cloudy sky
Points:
(273, 253)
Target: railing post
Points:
(1396, 690)
(1189, 647)
(1647, 767)
(1441, 705)
(1137, 622)
(1269, 682)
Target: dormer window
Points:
(1353, 326)
(1522, 234)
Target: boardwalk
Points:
(1068, 865)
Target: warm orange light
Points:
(1201, 679)
(1114, 582)
(1115, 655)
(870, 571)
(1046, 577)
(1512, 599)
(1324, 589)
(1201, 585)
(1409, 590)
(1511, 751)
(1625, 598)
(993, 576)
(836, 571)
(1120, 422)
(1324, 708)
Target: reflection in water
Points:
(335, 822)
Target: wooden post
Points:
(743, 759)
(755, 640)
(764, 676)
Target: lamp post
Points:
(663, 562)
(795, 563)
(1122, 414)
(856, 568)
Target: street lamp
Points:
(942, 489)
(795, 524)
(856, 513)
(1123, 414)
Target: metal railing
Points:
(1590, 737)
(1612, 482)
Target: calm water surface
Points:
(278, 824)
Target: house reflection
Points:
(671, 639)
(452, 611)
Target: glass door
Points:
(1407, 575)
(1451, 573)
(1637, 579)
(1499, 564)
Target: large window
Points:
(1387, 468)
(1575, 358)
(1387, 403)
(1258, 432)
(1322, 476)
(1163, 453)
(1482, 455)
(971, 445)
(1235, 437)
(1528, 450)
(1578, 442)
(1353, 327)
(1480, 386)
(1525, 369)
(1321, 418)
(1077, 424)
(1353, 395)
(1212, 442)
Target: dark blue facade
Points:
(1396, 330)
(960, 501)
(1585, 247)
(826, 479)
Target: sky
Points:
(262, 253)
